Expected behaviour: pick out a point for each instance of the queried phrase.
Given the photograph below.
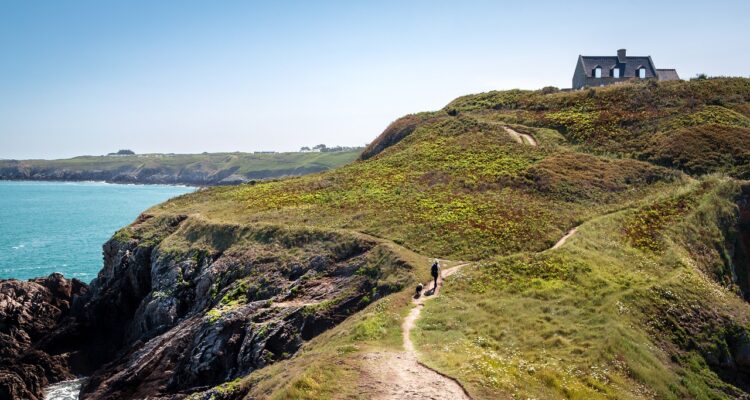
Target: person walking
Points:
(435, 274)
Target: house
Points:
(607, 70)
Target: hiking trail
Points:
(400, 375)
(565, 238)
(519, 137)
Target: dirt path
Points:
(428, 293)
(400, 375)
(522, 138)
(565, 238)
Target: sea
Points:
(48, 227)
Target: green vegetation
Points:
(192, 169)
(598, 318)
(625, 119)
(458, 187)
(641, 303)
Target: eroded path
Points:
(400, 375)
(565, 238)
(519, 137)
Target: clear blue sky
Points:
(90, 77)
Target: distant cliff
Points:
(206, 169)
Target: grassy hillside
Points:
(194, 169)
(612, 314)
(645, 300)
(458, 187)
(699, 126)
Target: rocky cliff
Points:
(29, 311)
(182, 305)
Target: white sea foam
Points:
(66, 390)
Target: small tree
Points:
(125, 153)
(304, 148)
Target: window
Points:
(598, 72)
(615, 72)
(642, 72)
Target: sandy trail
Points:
(522, 138)
(399, 375)
(565, 238)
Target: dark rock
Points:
(164, 324)
(741, 351)
(29, 310)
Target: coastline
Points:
(183, 185)
(105, 182)
(199, 170)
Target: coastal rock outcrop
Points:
(182, 304)
(29, 310)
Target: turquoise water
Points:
(50, 227)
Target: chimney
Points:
(621, 56)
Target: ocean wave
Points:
(66, 390)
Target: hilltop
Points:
(297, 288)
(205, 169)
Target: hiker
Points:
(435, 273)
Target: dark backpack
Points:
(435, 269)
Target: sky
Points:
(92, 77)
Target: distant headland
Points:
(205, 169)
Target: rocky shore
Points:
(181, 306)
(29, 312)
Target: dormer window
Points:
(641, 72)
(598, 72)
(615, 72)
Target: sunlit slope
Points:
(644, 301)
(458, 187)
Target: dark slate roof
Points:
(667, 75)
(627, 70)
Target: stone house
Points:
(607, 70)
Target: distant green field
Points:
(193, 169)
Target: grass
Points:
(457, 187)
(704, 149)
(587, 320)
(640, 303)
(622, 119)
